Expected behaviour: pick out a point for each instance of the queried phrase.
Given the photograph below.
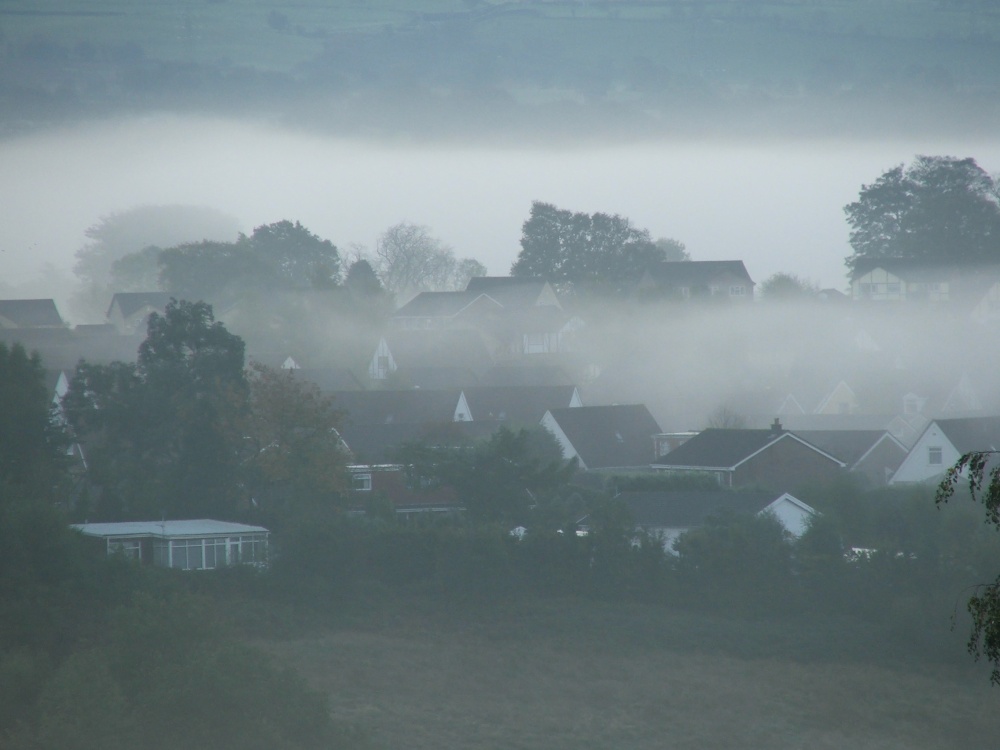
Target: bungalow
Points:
(201, 544)
(30, 313)
(773, 458)
(872, 454)
(129, 311)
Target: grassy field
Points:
(552, 675)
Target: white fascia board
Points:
(569, 452)
(793, 436)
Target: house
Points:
(942, 443)
(604, 437)
(389, 481)
(129, 311)
(519, 406)
(872, 454)
(413, 406)
(201, 544)
(30, 313)
(772, 458)
(904, 280)
(669, 514)
(691, 279)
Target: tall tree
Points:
(564, 246)
(937, 209)
(786, 287)
(160, 432)
(30, 437)
(408, 258)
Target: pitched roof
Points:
(972, 433)
(609, 436)
(29, 313)
(440, 304)
(525, 375)
(131, 302)
(850, 446)
(717, 448)
(376, 443)
(509, 291)
(519, 405)
(688, 508)
(330, 378)
(199, 527)
(417, 406)
(697, 272)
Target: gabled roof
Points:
(689, 508)
(725, 449)
(418, 406)
(609, 436)
(519, 405)
(510, 291)
(29, 313)
(690, 273)
(922, 270)
(850, 446)
(442, 304)
(972, 433)
(131, 302)
(330, 378)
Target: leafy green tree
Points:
(938, 209)
(129, 233)
(31, 439)
(498, 480)
(979, 471)
(293, 455)
(279, 256)
(160, 431)
(560, 245)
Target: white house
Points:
(942, 443)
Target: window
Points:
(737, 291)
(361, 482)
(934, 455)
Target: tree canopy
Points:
(408, 258)
(159, 431)
(786, 287)
(938, 209)
(282, 255)
(561, 245)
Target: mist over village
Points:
(474, 375)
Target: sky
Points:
(778, 206)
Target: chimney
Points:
(776, 428)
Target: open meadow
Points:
(569, 674)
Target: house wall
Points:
(382, 364)
(878, 284)
(793, 517)
(881, 463)
(785, 465)
(928, 459)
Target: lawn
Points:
(569, 674)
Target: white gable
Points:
(928, 459)
(792, 513)
(575, 399)
(462, 411)
(382, 364)
(569, 452)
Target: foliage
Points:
(980, 473)
(160, 431)
(938, 209)
(497, 480)
(120, 245)
(560, 245)
(786, 287)
(31, 439)
(673, 250)
(293, 454)
(282, 255)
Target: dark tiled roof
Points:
(847, 445)
(330, 378)
(724, 448)
(921, 270)
(437, 304)
(397, 407)
(972, 434)
(609, 436)
(685, 509)
(697, 272)
(518, 405)
(131, 302)
(30, 313)
(435, 378)
(509, 291)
